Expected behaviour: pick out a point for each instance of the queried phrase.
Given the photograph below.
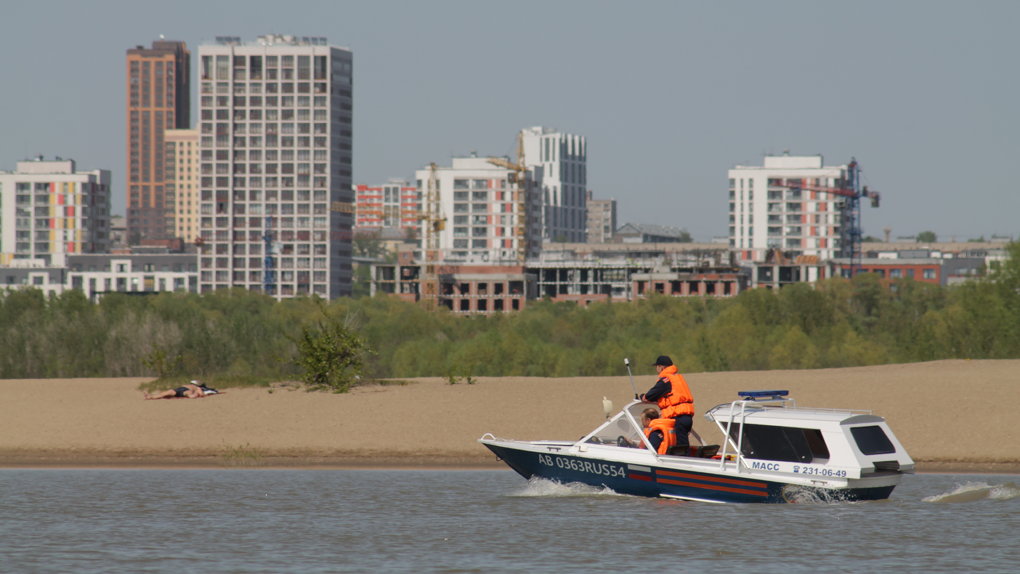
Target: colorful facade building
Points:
(393, 205)
(49, 210)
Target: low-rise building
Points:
(467, 289)
(135, 273)
(935, 270)
(49, 280)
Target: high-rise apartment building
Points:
(182, 181)
(392, 205)
(601, 219)
(158, 99)
(766, 213)
(275, 133)
(49, 210)
(482, 211)
(564, 162)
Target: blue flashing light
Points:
(752, 395)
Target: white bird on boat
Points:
(607, 406)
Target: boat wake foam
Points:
(795, 494)
(975, 491)
(544, 487)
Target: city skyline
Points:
(668, 95)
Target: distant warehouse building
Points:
(935, 270)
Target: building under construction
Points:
(579, 272)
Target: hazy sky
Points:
(925, 94)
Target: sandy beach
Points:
(952, 416)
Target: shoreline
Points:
(954, 416)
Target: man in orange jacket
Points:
(659, 431)
(674, 398)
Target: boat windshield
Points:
(623, 429)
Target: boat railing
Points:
(728, 438)
(749, 401)
(753, 402)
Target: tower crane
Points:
(851, 189)
(518, 176)
(268, 262)
(432, 224)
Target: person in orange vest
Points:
(674, 398)
(659, 431)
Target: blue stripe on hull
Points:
(642, 480)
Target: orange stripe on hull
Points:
(750, 483)
(712, 487)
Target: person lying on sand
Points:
(192, 390)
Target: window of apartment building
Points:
(928, 274)
(255, 67)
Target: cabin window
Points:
(787, 444)
(872, 440)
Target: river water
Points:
(480, 521)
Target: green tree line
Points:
(242, 335)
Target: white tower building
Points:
(563, 159)
(275, 167)
(483, 219)
(49, 210)
(766, 214)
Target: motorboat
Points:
(773, 451)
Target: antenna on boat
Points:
(626, 361)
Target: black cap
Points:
(663, 361)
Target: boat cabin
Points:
(768, 430)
